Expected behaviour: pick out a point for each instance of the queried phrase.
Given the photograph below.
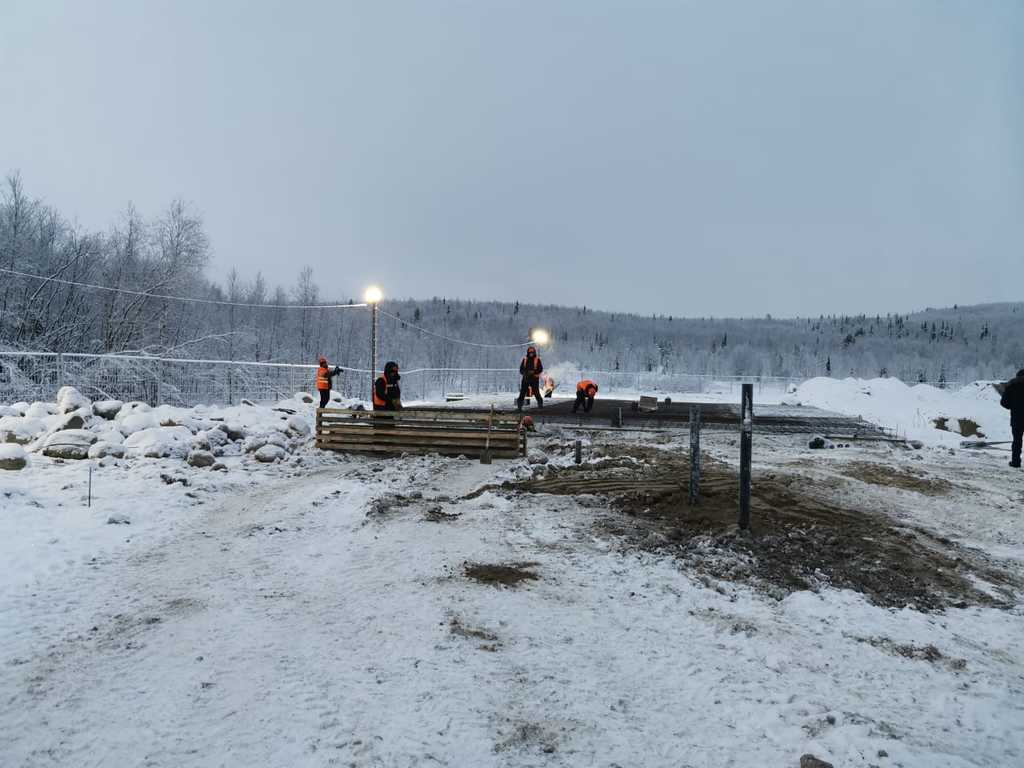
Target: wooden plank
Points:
(461, 424)
(418, 450)
(421, 434)
(336, 439)
(425, 426)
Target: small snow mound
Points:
(130, 422)
(159, 442)
(40, 410)
(69, 444)
(304, 397)
(299, 426)
(70, 399)
(12, 457)
(118, 520)
(269, 453)
(7, 410)
(107, 409)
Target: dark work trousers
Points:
(582, 399)
(325, 396)
(524, 387)
(1017, 427)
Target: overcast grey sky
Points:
(689, 158)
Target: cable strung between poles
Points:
(453, 340)
(177, 298)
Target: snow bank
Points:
(921, 412)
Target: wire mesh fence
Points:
(30, 376)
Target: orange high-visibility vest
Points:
(528, 365)
(377, 401)
(323, 380)
(586, 386)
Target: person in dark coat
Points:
(530, 368)
(387, 394)
(1013, 400)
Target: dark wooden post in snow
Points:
(746, 432)
(694, 454)
(579, 451)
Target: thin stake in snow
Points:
(746, 430)
(694, 454)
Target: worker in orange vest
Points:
(387, 394)
(530, 367)
(586, 391)
(324, 377)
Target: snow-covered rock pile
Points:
(75, 428)
(921, 412)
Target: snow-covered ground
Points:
(913, 411)
(317, 609)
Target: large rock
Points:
(6, 410)
(20, 429)
(73, 420)
(810, 761)
(233, 430)
(159, 442)
(12, 457)
(20, 407)
(256, 442)
(69, 444)
(102, 449)
(269, 454)
(136, 421)
(70, 399)
(214, 437)
(107, 409)
(201, 459)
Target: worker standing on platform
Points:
(387, 394)
(324, 379)
(586, 391)
(530, 367)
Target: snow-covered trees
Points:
(168, 255)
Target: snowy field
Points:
(234, 597)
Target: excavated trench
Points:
(799, 537)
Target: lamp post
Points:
(372, 296)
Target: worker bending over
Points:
(324, 379)
(387, 395)
(530, 368)
(586, 391)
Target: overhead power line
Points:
(454, 340)
(151, 295)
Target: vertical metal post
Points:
(60, 370)
(373, 346)
(694, 454)
(579, 451)
(90, 486)
(746, 432)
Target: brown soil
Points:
(508, 575)
(969, 428)
(880, 474)
(797, 541)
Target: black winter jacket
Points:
(1013, 398)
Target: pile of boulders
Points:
(75, 428)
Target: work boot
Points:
(1015, 464)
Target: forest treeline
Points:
(169, 255)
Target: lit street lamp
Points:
(540, 337)
(373, 296)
